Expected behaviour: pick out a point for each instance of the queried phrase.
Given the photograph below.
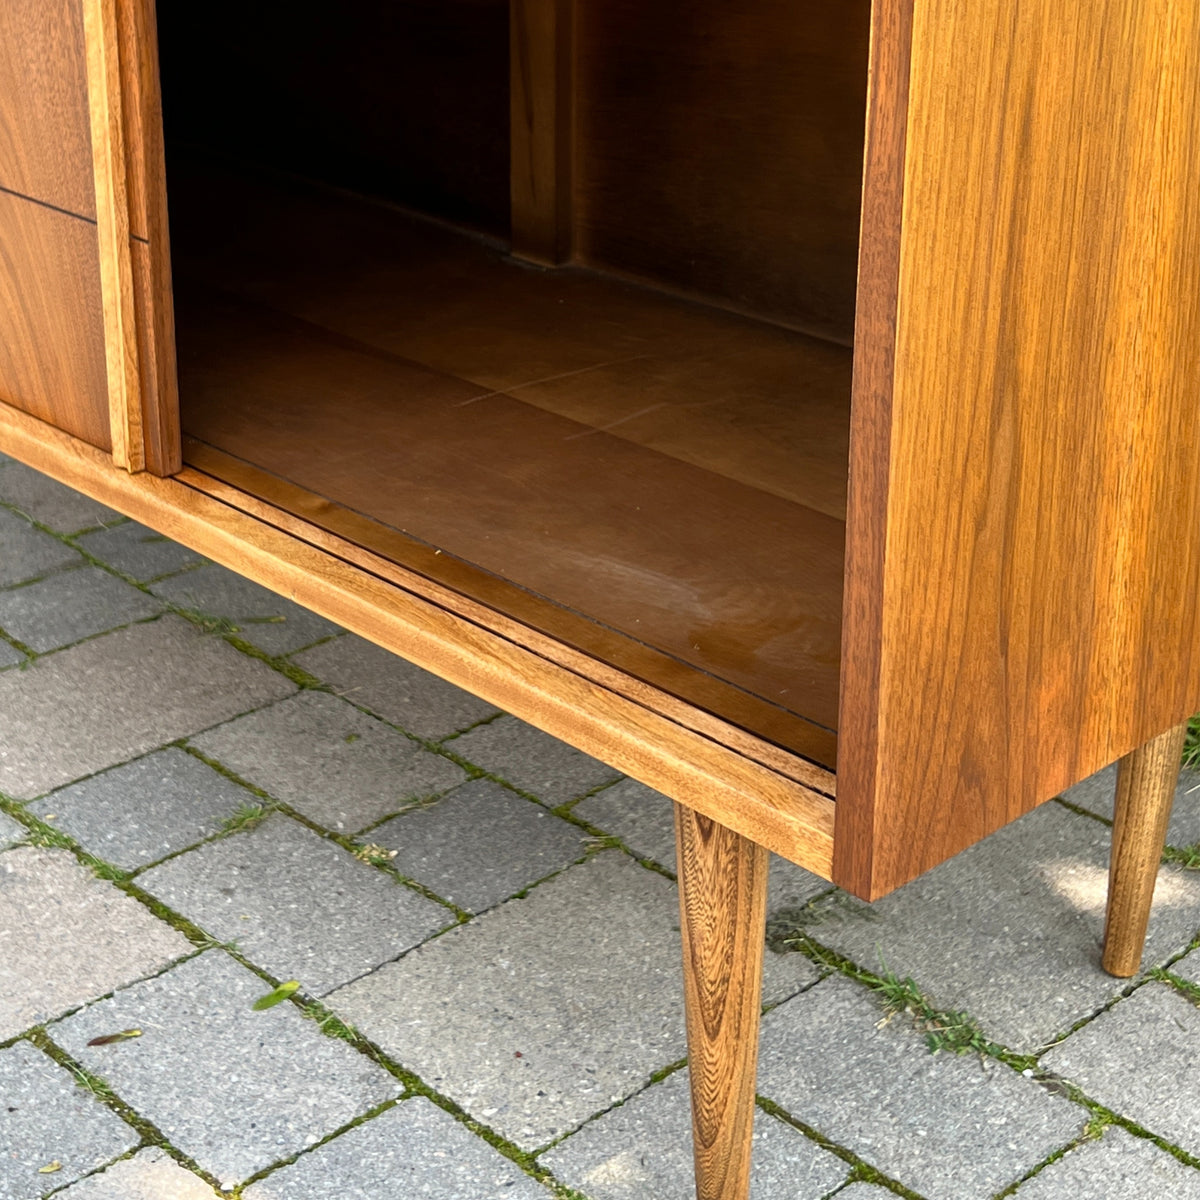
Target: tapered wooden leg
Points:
(723, 905)
(1145, 789)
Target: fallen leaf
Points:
(50, 1168)
(374, 853)
(109, 1038)
(281, 993)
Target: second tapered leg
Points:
(1145, 790)
(723, 902)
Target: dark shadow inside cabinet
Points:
(642, 451)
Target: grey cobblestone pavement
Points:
(206, 792)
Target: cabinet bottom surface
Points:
(653, 481)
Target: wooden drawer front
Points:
(51, 323)
(45, 138)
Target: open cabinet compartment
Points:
(635, 449)
(612, 265)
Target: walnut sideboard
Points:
(793, 405)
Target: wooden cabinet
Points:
(841, 485)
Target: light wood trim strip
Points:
(541, 52)
(750, 799)
(150, 244)
(722, 910)
(112, 222)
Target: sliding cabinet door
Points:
(85, 327)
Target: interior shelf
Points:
(659, 483)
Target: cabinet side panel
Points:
(45, 143)
(1041, 566)
(51, 323)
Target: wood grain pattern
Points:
(718, 150)
(744, 795)
(620, 663)
(722, 906)
(711, 572)
(1040, 609)
(1146, 782)
(45, 133)
(105, 101)
(51, 331)
(859, 760)
(745, 399)
(540, 128)
(148, 227)
(306, 517)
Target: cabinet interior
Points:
(642, 451)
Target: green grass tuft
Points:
(1191, 745)
(955, 1032)
(245, 817)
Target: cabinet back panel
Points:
(403, 99)
(45, 134)
(51, 324)
(718, 150)
(1034, 611)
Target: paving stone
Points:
(790, 887)
(67, 937)
(139, 552)
(70, 606)
(297, 904)
(393, 688)
(480, 844)
(26, 552)
(10, 656)
(415, 1151)
(645, 821)
(1188, 967)
(1118, 1165)
(641, 817)
(784, 975)
(10, 831)
(235, 1090)
(1010, 929)
(151, 1174)
(107, 700)
(264, 619)
(1098, 794)
(46, 500)
(543, 1011)
(865, 1191)
(950, 1127)
(340, 767)
(532, 760)
(46, 1118)
(1139, 1059)
(644, 1149)
(146, 809)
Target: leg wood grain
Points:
(722, 902)
(1145, 789)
